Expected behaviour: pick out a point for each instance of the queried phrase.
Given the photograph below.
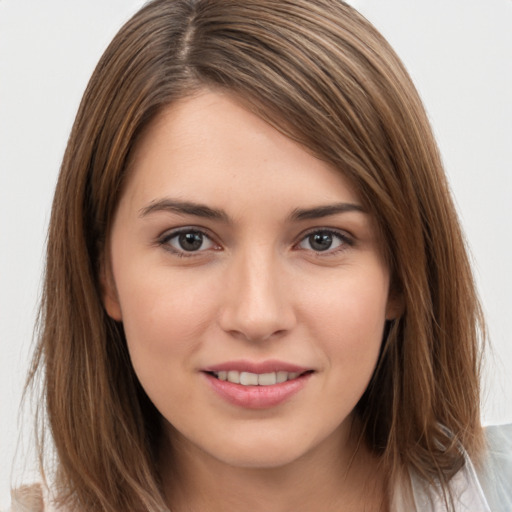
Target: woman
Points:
(257, 293)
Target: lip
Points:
(271, 365)
(257, 397)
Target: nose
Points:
(257, 305)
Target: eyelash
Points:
(166, 238)
(345, 241)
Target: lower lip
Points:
(257, 397)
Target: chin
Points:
(260, 452)
(258, 458)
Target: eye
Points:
(187, 241)
(323, 240)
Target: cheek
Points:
(163, 313)
(164, 320)
(349, 315)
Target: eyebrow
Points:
(184, 208)
(200, 210)
(325, 211)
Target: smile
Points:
(256, 379)
(257, 385)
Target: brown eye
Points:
(320, 241)
(187, 241)
(190, 241)
(323, 241)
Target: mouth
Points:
(257, 385)
(257, 379)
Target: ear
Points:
(109, 293)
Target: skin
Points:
(256, 289)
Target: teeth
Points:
(233, 376)
(256, 379)
(248, 379)
(282, 377)
(267, 379)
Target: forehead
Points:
(210, 141)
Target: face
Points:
(250, 282)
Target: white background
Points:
(459, 53)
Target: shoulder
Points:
(32, 498)
(28, 498)
(482, 487)
(495, 471)
(488, 483)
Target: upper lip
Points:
(259, 367)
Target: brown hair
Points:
(321, 74)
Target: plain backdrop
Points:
(459, 53)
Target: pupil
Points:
(320, 241)
(191, 241)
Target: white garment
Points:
(495, 477)
(489, 490)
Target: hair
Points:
(321, 74)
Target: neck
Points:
(338, 476)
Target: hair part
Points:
(321, 74)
